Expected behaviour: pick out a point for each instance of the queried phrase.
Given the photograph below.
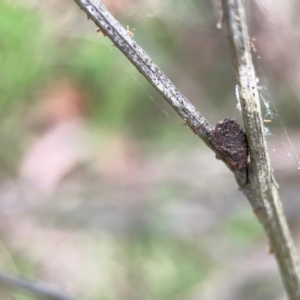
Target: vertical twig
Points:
(266, 203)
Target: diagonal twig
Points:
(122, 40)
(34, 288)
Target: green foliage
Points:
(19, 296)
(111, 89)
(22, 52)
(167, 267)
(242, 229)
(17, 262)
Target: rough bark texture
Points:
(266, 203)
(255, 180)
(111, 28)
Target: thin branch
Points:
(255, 180)
(266, 204)
(35, 288)
(122, 39)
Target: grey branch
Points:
(256, 180)
(266, 203)
(35, 288)
(122, 40)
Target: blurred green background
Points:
(104, 193)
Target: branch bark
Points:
(96, 11)
(256, 180)
(266, 203)
(34, 288)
